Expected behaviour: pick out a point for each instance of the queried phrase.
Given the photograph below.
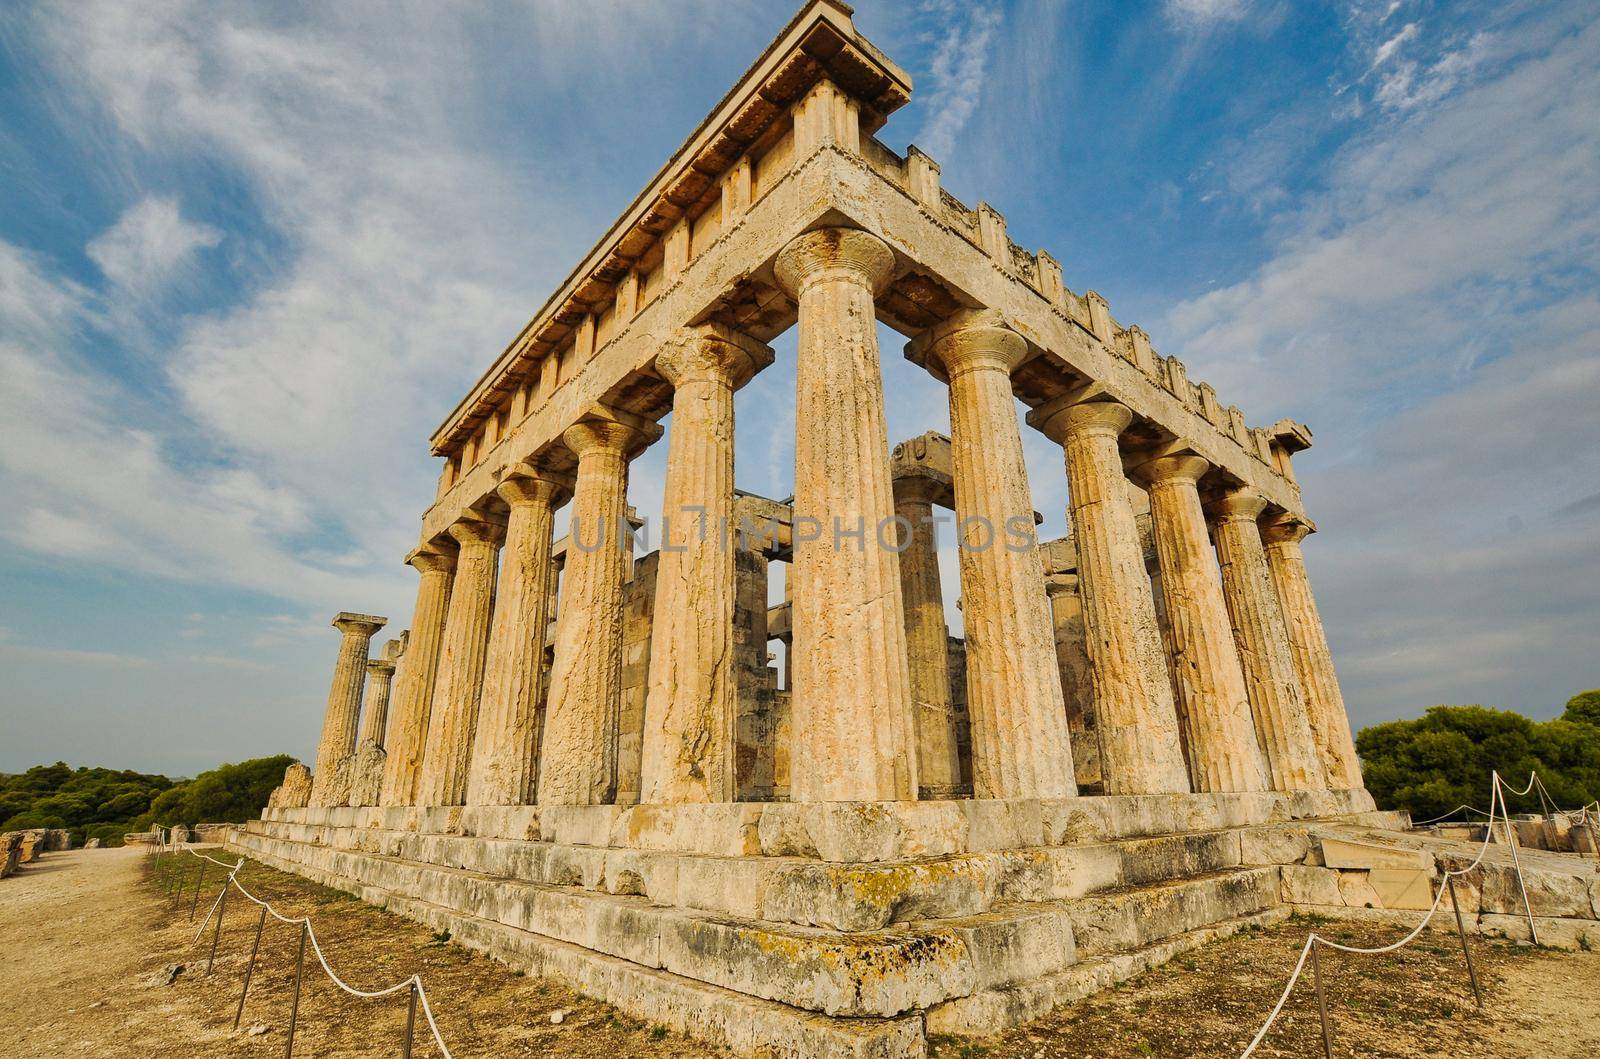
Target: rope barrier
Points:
(1496, 796)
(414, 982)
(1457, 809)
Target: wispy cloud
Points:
(957, 71)
(149, 242)
(1203, 14)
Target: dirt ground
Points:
(90, 942)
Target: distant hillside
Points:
(106, 803)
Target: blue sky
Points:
(250, 255)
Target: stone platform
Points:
(829, 928)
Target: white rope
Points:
(415, 981)
(1457, 809)
(1496, 795)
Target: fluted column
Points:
(413, 693)
(853, 732)
(344, 698)
(1020, 746)
(691, 701)
(1137, 721)
(1213, 705)
(578, 761)
(506, 746)
(375, 717)
(1276, 699)
(1308, 643)
(927, 638)
(459, 685)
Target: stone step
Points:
(804, 892)
(992, 1010)
(883, 973)
(745, 1024)
(1133, 918)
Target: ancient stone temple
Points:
(583, 762)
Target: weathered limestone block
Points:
(10, 852)
(1305, 885)
(854, 737)
(1550, 893)
(458, 685)
(93, 843)
(1135, 717)
(1355, 890)
(334, 790)
(1569, 934)
(413, 693)
(295, 790)
(1408, 888)
(1020, 745)
(1059, 873)
(366, 774)
(1347, 853)
(1274, 845)
(1129, 919)
(58, 838)
(691, 705)
(868, 897)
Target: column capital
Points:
(834, 253)
(1236, 505)
(1071, 415)
(970, 339)
(467, 532)
(1179, 467)
(1286, 529)
(711, 352)
(430, 560)
(602, 429)
(380, 666)
(526, 484)
(360, 624)
(924, 488)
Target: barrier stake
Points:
(1516, 861)
(1322, 1003)
(199, 880)
(1466, 950)
(216, 934)
(294, 1006)
(250, 968)
(411, 1022)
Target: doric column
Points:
(578, 761)
(1212, 703)
(691, 702)
(927, 637)
(1140, 751)
(459, 685)
(1308, 643)
(1020, 745)
(413, 693)
(1257, 618)
(344, 698)
(506, 746)
(853, 732)
(1077, 684)
(375, 718)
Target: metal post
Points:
(1466, 950)
(250, 968)
(411, 1022)
(294, 1006)
(1322, 1003)
(216, 934)
(199, 880)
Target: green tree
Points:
(1443, 759)
(1584, 708)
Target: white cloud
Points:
(149, 243)
(1204, 13)
(1387, 49)
(957, 72)
(1433, 310)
